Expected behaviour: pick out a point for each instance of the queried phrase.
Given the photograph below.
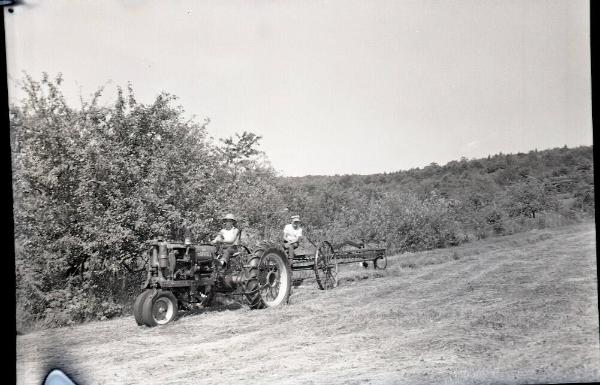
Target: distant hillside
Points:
(563, 167)
(500, 194)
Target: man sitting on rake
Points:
(292, 234)
(228, 237)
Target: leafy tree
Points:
(527, 198)
(93, 184)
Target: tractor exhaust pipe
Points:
(163, 257)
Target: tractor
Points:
(187, 276)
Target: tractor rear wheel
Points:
(267, 278)
(159, 308)
(137, 306)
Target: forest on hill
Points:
(92, 183)
(438, 206)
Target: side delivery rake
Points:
(325, 261)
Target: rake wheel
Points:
(380, 263)
(326, 266)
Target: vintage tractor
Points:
(187, 276)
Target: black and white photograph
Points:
(302, 192)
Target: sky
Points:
(333, 87)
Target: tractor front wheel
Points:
(137, 306)
(159, 308)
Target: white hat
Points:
(295, 218)
(229, 217)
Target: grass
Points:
(515, 309)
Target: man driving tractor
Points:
(292, 234)
(228, 237)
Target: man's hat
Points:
(295, 218)
(229, 217)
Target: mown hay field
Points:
(516, 309)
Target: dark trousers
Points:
(290, 248)
(228, 251)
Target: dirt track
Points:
(509, 310)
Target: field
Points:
(517, 309)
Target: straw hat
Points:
(229, 217)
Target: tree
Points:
(93, 184)
(527, 198)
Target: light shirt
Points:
(228, 236)
(290, 234)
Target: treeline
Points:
(92, 183)
(439, 206)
